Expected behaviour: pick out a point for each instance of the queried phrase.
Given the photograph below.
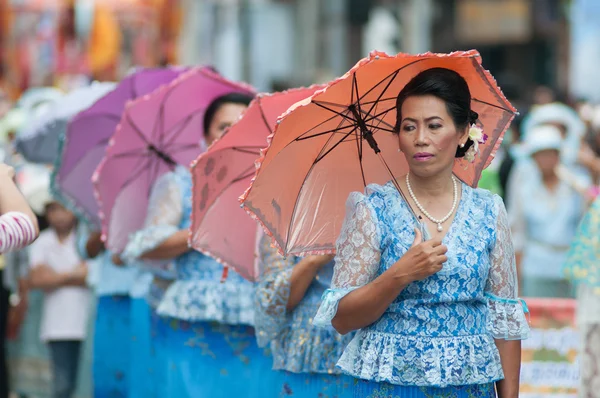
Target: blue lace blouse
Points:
(197, 294)
(440, 331)
(296, 344)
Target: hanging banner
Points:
(550, 363)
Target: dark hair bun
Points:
(461, 152)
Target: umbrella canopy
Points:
(87, 136)
(220, 228)
(38, 141)
(340, 140)
(156, 132)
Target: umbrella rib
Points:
(248, 151)
(134, 176)
(320, 124)
(331, 110)
(159, 125)
(152, 177)
(495, 106)
(335, 130)
(131, 153)
(393, 77)
(262, 115)
(135, 128)
(185, 122)
(377, 117)
(379, 100)
(385, 78)
(320, 157)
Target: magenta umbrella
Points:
(86, 139)
(157, 132)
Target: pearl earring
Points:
(462, 145)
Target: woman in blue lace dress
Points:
(428, 277)
(287, 298)
(205, 329)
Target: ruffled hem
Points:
(302, 348)
(507, 320)
(228, 303)
(422, 360)
(329, 306)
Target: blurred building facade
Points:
(277, 43)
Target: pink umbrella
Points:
(157, 132)
(220, 228)
(87, 136)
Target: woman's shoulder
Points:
(374, 195)
(483, 199)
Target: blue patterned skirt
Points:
(212, 360)
(369, 389)
(144, 377)
(314, 385)
(111, 346)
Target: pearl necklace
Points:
(443, 220)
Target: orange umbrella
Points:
(340, 140)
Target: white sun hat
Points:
(542, 138)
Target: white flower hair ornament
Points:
(476, 135)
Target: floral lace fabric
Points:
(197, 294)
(439, 331)
(296, 344)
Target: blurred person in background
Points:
(58, 270)
(544, 213)
(582, 267)
(112, 330)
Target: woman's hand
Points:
(422, 260)
(117, 260)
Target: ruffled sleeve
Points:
(272, 292)
(507, 319)
(165, 211)
(357, 259)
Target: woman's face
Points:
(224, 117)
(59, 217)
(428, 136)
(547, 161)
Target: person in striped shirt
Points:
(18, 228)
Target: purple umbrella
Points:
(156, 133)
(87, 136)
